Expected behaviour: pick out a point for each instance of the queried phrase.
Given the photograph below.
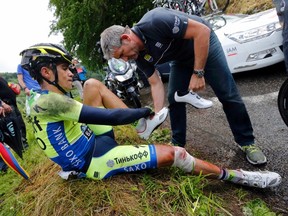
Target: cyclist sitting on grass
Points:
(76, 135)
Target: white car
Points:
(251, 41)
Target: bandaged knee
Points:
(183, 160)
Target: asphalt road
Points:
(209, 134)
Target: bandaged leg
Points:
(183, 160)
(188, 163)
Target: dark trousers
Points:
(218, 75)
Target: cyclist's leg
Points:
(79, 87)
(110, 159)
(96, 94)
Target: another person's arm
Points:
(22, 84)
(157, 91)
(200, 34)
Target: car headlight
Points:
(255, 33)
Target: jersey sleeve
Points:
(58, 107)
(147, 68)
(93, 115)
(62, 108)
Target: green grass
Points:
(167, 191)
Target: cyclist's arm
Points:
(93, 115)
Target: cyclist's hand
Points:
(196, 83)
(151, 113)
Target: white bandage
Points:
(183, 160)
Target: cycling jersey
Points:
(61, 130)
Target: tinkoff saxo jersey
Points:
(58, 133)
(64, 140)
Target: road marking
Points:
(254, 99)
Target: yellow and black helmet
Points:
(44, 53)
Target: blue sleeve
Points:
(84, 70)
(93, 115)
(19, 69)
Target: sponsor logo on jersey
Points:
(158, 45)
(137, 156)
(175, 29)
(136, 167)
(110, 163)
(148, 58)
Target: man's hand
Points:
(196, 83)
(2, 111)
(27, 91)
(5, 108)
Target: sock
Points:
(230, 175)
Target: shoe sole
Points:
(159, 124)
(154, 128)
(256, 163)
(277, 179)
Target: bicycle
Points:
(195, 7)
(173, 4)
(210, 7)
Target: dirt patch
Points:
(210, 138)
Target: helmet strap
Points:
(55, 82)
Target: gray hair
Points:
(111, 39)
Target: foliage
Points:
(9, 77)
(82, 22)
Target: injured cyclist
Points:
(79, 136)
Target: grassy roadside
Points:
(163, 192)
(167, 191)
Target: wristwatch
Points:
(199, 73)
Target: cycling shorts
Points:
(109, 158)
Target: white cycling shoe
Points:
(259, 179)
(146, 126)
(194, 99)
